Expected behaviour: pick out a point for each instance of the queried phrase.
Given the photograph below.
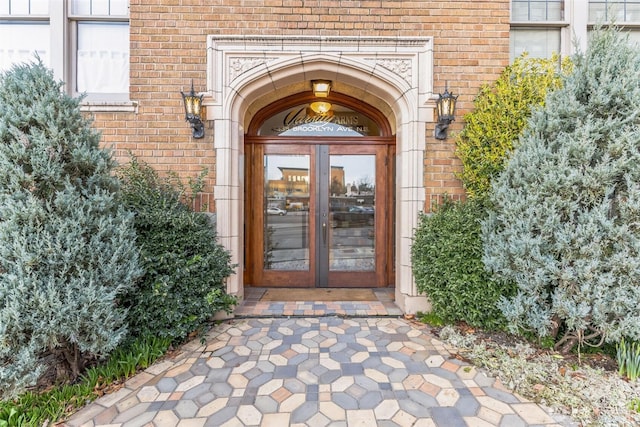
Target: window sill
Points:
(109, 107)
(541, 24)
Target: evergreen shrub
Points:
(500, 112)
(446, 256)
(67, 245)
(565, 217)
(185, 266)
(447, 250)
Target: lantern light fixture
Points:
(445, 108)
(321, 88)
(192, 112)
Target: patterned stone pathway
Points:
(324, 371)
(253, 306)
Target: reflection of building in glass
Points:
(294, 181)
(291, 191)
(338, 187)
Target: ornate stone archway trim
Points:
(394, 72)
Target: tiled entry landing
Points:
(254, 306)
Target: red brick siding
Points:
(168, 49)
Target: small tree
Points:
(566, 222)
(500, 112)
(67, 248)
(366, 185)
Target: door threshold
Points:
(256, 305)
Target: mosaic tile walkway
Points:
(253, 306)
(323, 371)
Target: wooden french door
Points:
(318, 214)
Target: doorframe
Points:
(253, 218)
(246, 72)
(254, 273)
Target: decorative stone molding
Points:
(401, 67)
(231, 58)
(239, 65)
(245, 72)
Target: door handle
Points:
(324, 233)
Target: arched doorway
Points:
(319, 194)
(247, 73)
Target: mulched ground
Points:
(595, 358)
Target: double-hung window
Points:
(85, 42)
(536, 27)
(100, 31)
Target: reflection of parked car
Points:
(356, 216)
(276, 211)
(362, 209)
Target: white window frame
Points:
(73, 57)
(563, 26)
(576, 26)
(63, 53)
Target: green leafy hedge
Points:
(185, 266)
(447, 264)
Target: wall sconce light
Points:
(192, 111)
(446, 108)
(321, 88)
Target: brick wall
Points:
(168, 49)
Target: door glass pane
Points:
(352, 211)
(286, 212)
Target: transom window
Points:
(537, 10)
(314, 120)
(605, 11)
(86, 43)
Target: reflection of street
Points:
(287, 241)
(353, 218)
(287, 244)
(352, 249)
(289, 231)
